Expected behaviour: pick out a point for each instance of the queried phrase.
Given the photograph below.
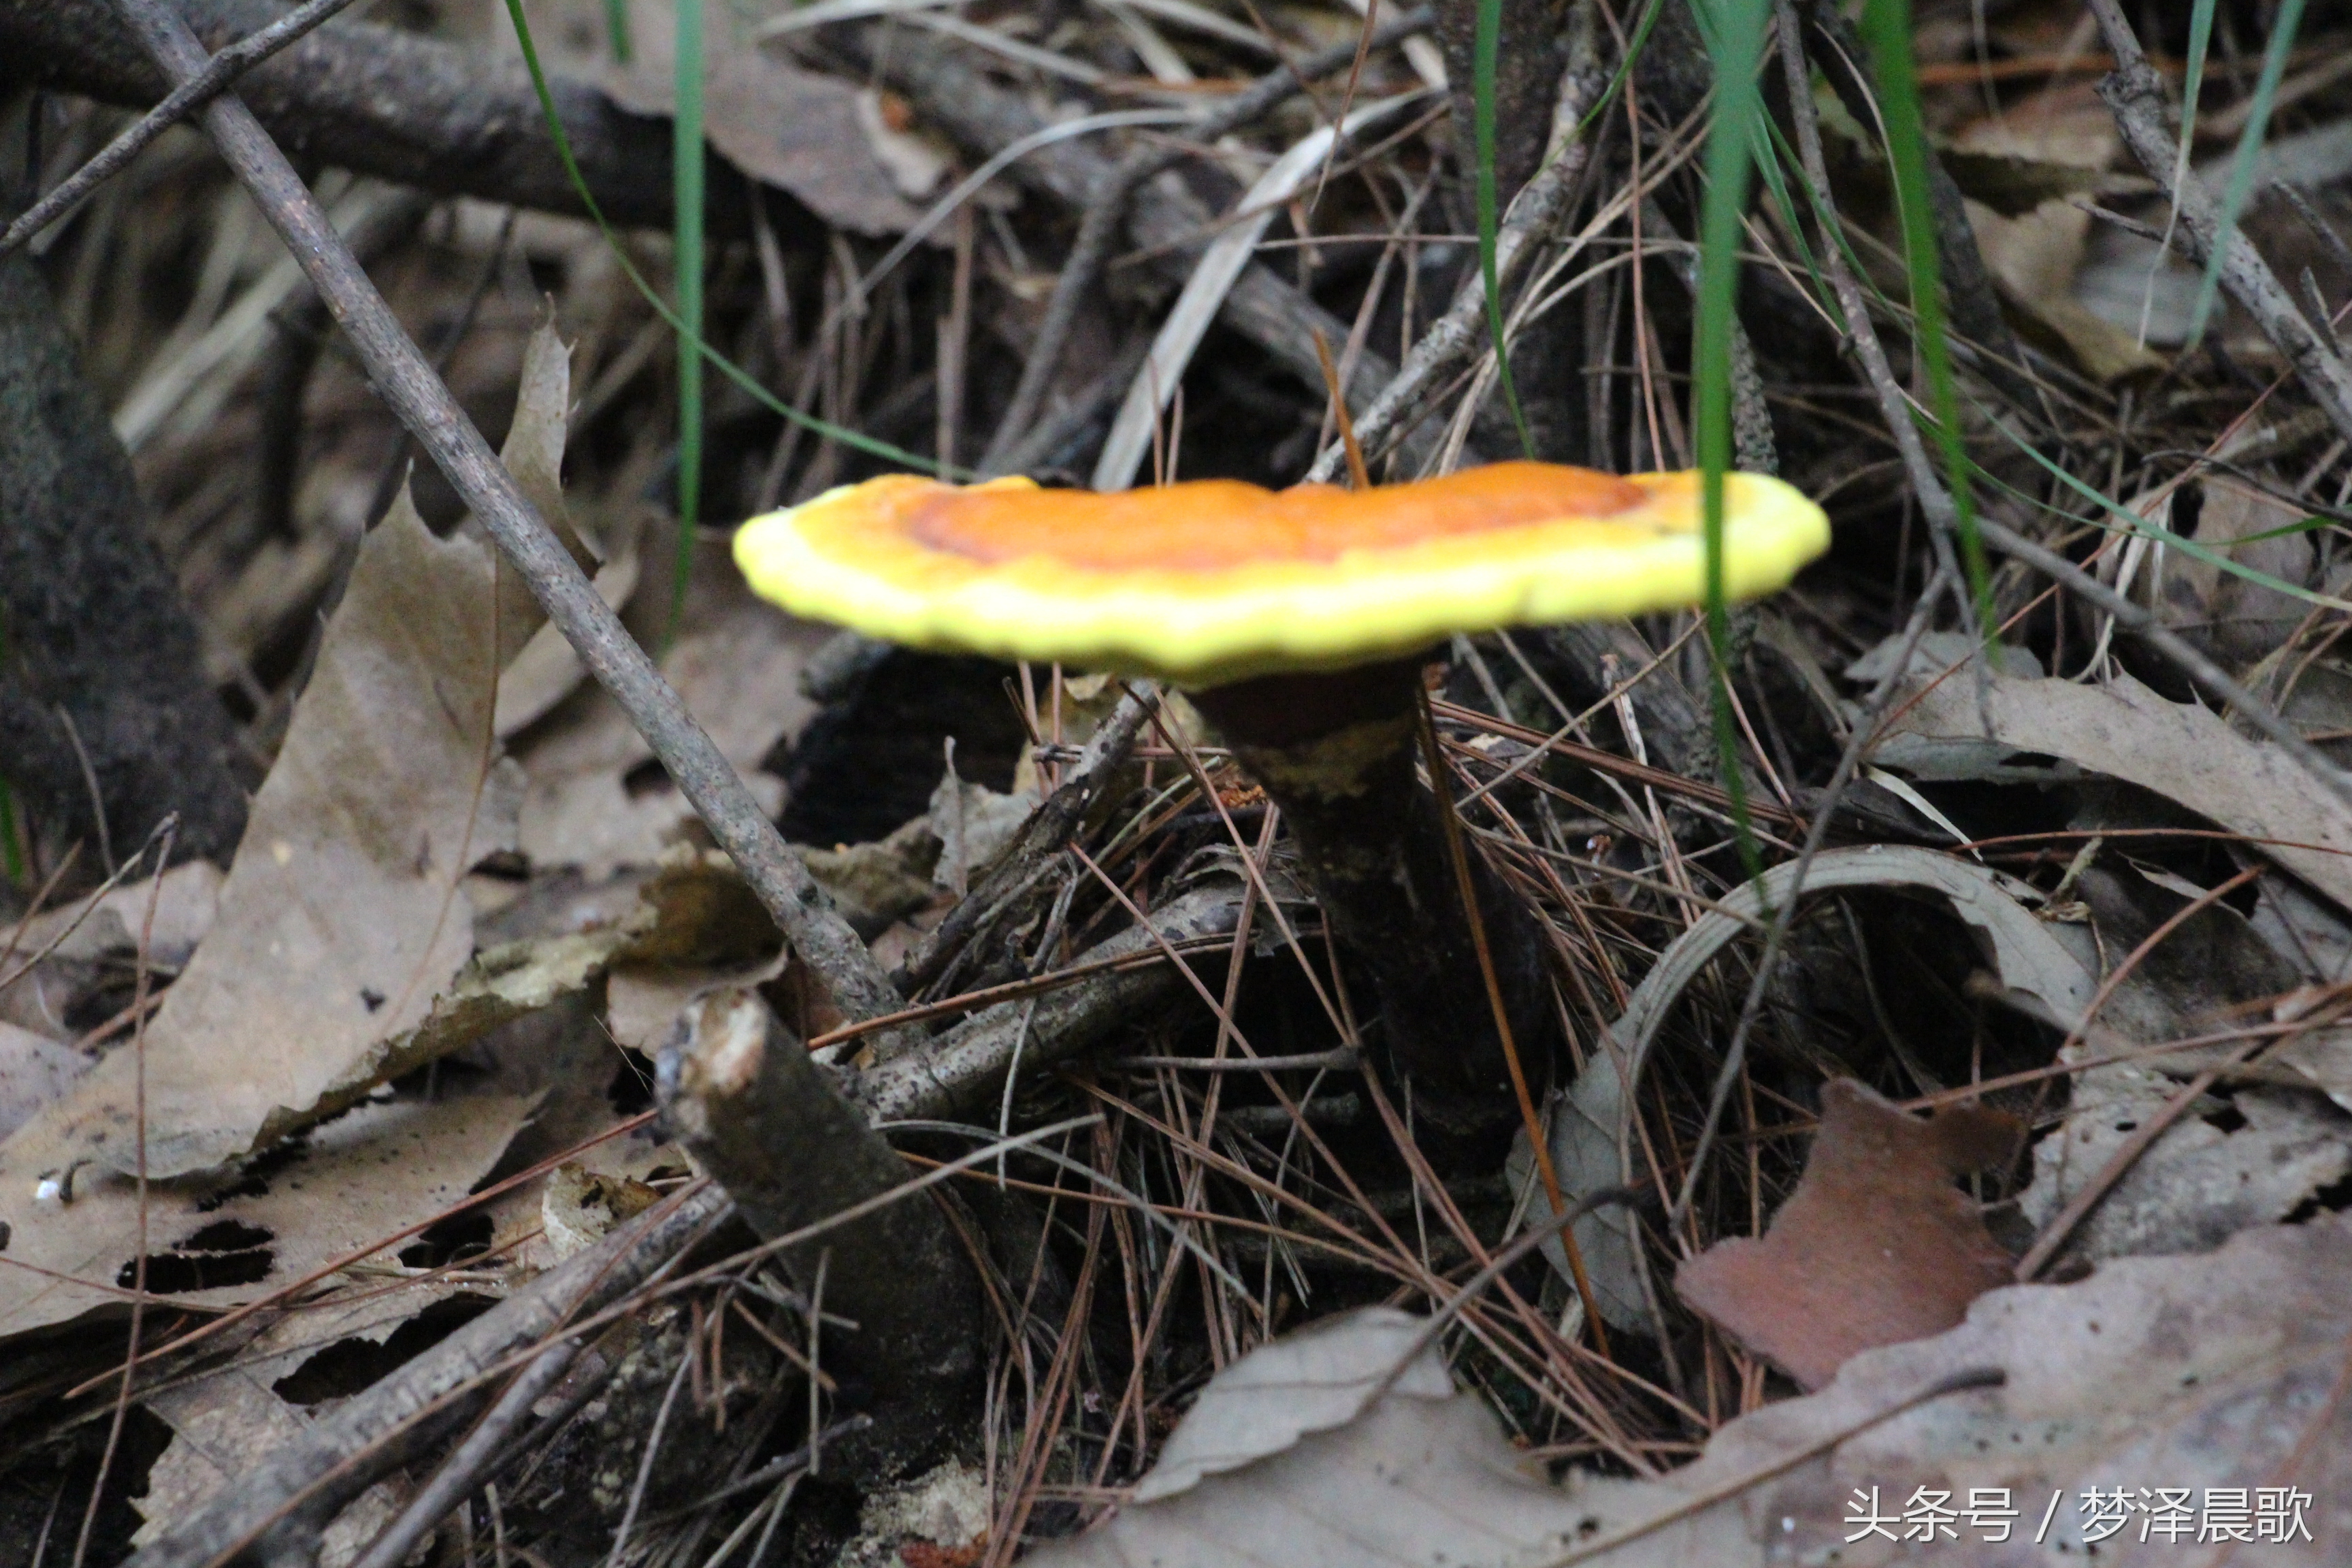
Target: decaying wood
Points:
(763, 1118)
(101, 694)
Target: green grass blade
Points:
(1734, 31)
(857, 439)
(1617, 78)
(617, 30)
(687, 164)
(2241, 183)
(1886, 27)
(2113, 516)
(2200, 38)
(1486, 48)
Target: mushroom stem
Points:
(1335, 751)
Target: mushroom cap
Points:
(1214, 580)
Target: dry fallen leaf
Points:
(2183, 752)
(34, 1070)
(73, 950)
(2235, 620)
(342, 952)
(227, 1419)
(782, 126)
(1875, 1247)
(2157, 1380)
(2030, 172)
(2208, 1176)
(343, 918)
(1590, 1146)
(240, 1234)
(596, 798)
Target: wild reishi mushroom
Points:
(1297, 621)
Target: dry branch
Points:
(964, 1068)
(1105, 211)
(401, 375)
(181, 101)
(760, 1116)
(396, 105)
(1165, 217)
(1976, 312)
(284, 1503)
(2135, 94)
(1540, 203)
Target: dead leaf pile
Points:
(2185, 1376)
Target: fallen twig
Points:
(1452, 337)
(964, 1066)
(2135, 95)
(1164, 217)
(484, 1448)
(398, 105)
(289, 1497)
(1105, 211)
(399, 373)
(181, 101)
(766, 1120)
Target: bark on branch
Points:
(404, 107)
(760, 1116)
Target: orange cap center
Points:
(1209, 525)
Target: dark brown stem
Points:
(1336, 752)
(302, 328)
(759, 1114)
(403, 378)
(1527, 80)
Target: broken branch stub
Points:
(763, 1118)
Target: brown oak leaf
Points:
(1875, 1247)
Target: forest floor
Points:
(1974, 1160)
